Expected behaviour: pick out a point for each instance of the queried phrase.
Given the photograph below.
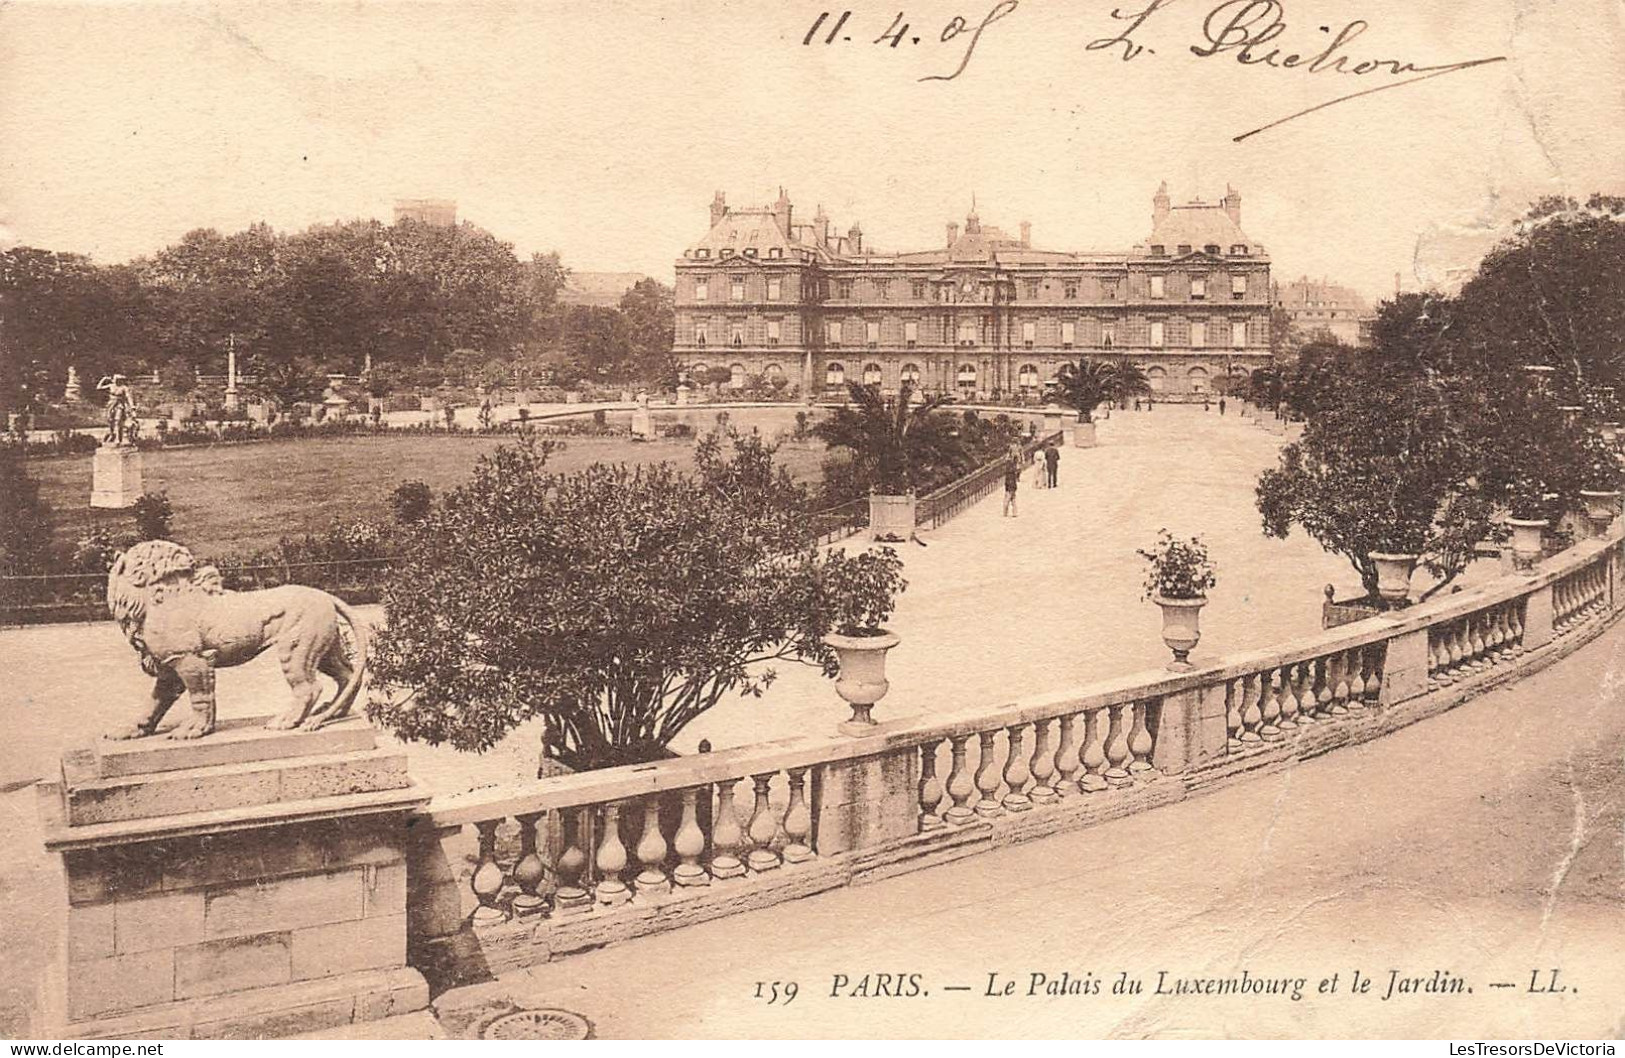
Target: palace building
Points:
(986, 315)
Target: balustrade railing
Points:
(1579, 596)
(1474, 642)
(1291, 696)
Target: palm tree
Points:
(1085, 385)
(891, 439)
(1128, 381)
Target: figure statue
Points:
(120, 406)
(184, 624)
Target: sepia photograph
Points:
(750, 519)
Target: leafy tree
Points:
(1086, 385)
(293, 382)
(896, 441)
(153, 516)
(410, 502)
(650, 327)
(615, 603)
(25, 525)
(1128, 381)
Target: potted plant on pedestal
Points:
(885, 436)
(1599, 482)
(865, 594)
(1084, 386)
(1178, 579)
(1528, 501)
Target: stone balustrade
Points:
(576, 861)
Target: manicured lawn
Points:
(236, 497)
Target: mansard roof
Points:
(742, 229)
(1196, 225)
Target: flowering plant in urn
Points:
(1177, 580)
(860, 639)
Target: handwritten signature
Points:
(1246, 29)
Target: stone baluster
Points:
(762, 827)
(529, 872)
(1337, 676)
(797, 820)
(1498, 633)
(1324, 681)
(1435, 656)
(1140, 744)
(1451, 661)
(1015, 771)
(1375, 655)
(987, 777)
(931, 789)
(572, 895)
(727, 837)
(1303, 681)
(1234, 691)
(1289, 702)
(651, 852)
(1475, 641)
(487, 879)
(689, 844)
(1269, 708)
(1252, 718)
(1356, 664)
(1067, 760)
(1043, 765)
(960, 787)
(610, 889)
(1515, 625)
(1117, 755)
(1094, 753)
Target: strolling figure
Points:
(1221, 405)
(1052, 464)
(1012, 479)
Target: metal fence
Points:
(948, 502)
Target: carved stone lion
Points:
(184, 624)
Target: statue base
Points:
(116, 477)
(249, 884)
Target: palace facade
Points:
(986, 315)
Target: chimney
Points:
(1160, 204)
(856, 237)
(781, 210)
(719, 209)
(1026, 233)
(1232, 204)
(821, 226)
(953, 233)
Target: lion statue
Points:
(184, 624)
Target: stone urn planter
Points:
(891, 518)
(862, 681)
(1181, 628)
(1083, 435)
(1394, 575)
(1528, 539)
(1600, 507)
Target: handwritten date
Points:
(899, 31)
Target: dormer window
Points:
(1212, 248)
(1158, 249)
(750, 251)
(1184, 248)
(702, 252)
(775, 252)
(1239, 249)
(727, 251)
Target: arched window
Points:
(834, 375)
(911, 374)
(773, 371)
(1028, 377)
(967, 376)
(736, 376)
(1197, 377)
(1158, 377)
(871, 374)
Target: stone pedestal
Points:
(231, 396)
(116, 476)
(249, 884)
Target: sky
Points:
(601, 129)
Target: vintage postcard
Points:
(736, 519)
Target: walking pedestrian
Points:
(1052, 464)
(1038, 461)
(1012, 479)
(1221, 405)
(1136, 403)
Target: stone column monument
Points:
(116, 467)
(231, 372)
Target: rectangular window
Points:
(772, 332)
(737, 334)
(736, 288)
(919, 289)
(1156, 334)
(834, 332)
(773, 289)
(1198, 334)
(1238, 335)
(1109, 290)
(1198, 286)
(1030, 289)
(1071, 290)
(1156, 286)
(1029, 334)
(911, 333)
(843, 289)
(699, 334)
(702, 290)
(872, 333)
(1108, 335)
(967, 332)
(1238, 287)
(882, 289)
(1069, 334)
